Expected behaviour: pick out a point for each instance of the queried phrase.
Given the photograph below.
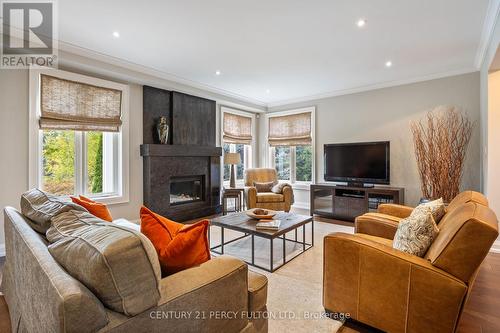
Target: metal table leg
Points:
(271, 257)
(222, 240)
(312, 232)
(284, 249)
(253, 250)
(303, 237)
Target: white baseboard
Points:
(496, 247)
(2, 250)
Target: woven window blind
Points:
(237, 129)
(70, 105)
(291, 130)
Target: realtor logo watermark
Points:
(29, 34)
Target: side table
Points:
(236, 193)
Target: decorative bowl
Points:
(259, 213)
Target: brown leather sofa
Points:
(266, 200)
(398, 292)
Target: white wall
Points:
(493, 137)
(13, 139)
(385, 114)
(489, 56)
(490, 162)
(14, 111)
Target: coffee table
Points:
(240, 222)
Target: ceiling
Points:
(271, 52)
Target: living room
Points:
(289, 156)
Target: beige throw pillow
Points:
(40, 207)
(264, 187)
(436, 207)
(416, 232)
(278, 188)
(119, 265)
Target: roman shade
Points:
(237, 129)
(290, 130)
(70, 105)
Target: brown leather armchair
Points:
(267, 200)
(398, 292)
(384, 222)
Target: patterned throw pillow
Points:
(264, 187)
(416, 232)
(436, 207)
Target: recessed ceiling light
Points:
(116, 34)
(388, 63)
(268, 91)
(361, 23)
(217, 73)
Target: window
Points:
(237, 137)
(78, 142)
(245, 156)
(290, 141)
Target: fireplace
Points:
(186, 189)
(181, 178)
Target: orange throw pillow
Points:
(179, 246)
(97, 209)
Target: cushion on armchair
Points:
(416, 232)
(278, 188)
(263, 187)
(270, 197)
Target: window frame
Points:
(120, 141)
(250, 151)
(269, 158)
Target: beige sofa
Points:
(266, 200)
(217, 296)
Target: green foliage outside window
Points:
(282, 162)
(58, 162)
(240, 168)
(303, 161)
(94, 164)
(227, 169)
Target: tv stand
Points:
(358, 185)
(347, 202)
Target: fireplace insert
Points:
(186, 189)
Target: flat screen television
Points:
(358, 163)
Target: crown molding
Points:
(260, 105)
(84, 52)
(487, 32)
(386, 84)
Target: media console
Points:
(347, 202)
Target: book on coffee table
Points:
(268, 225)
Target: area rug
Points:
(294, 297)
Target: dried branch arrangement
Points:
(440, 142)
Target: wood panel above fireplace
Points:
(191, 155)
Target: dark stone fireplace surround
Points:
(191, 154)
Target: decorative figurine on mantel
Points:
(162, 129)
